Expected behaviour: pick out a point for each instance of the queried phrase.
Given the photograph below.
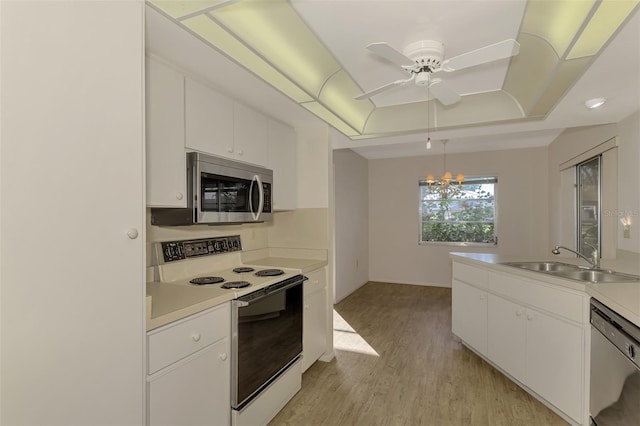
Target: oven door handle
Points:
(249, 299)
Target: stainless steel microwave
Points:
(221, 191)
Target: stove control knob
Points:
(223, 356)
(196, 337)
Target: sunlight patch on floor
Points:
(345, 338)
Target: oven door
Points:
(266, 337)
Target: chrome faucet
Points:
(594, 261)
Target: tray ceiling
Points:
(314, 52)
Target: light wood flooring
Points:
(421, 376)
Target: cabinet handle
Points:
(306, 306)
(240, 152)
(229, 150)
(132, 233)
(530, 317)
(196, 337)
(483, 296)
(223, 356)
(179, 195)
(519, 313)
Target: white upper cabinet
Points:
(208, 120)
(283, 162)
(216, 124)
(166, 177)
(250, 143)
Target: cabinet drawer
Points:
(471, 275)
(317, 281)
(182, 338)
(553, 300)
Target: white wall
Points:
(351, 221)
(629, 180)
(573, 142)
(522, 216)
(313, 170)
(72, 152)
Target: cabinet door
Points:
(507, 336)
(283, 160)
(194, 392)
(250, 135)
(314, 320)
(469, 315)
(555, 360)
(166, 172)
(208, 120)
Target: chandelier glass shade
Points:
(446, 186)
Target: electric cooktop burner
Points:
(235, 284)
(243, 269)
(206, 280)
(269, 272)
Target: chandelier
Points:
(446, 186)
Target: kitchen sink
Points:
(543, 266)
(574, 272)
(598, 276)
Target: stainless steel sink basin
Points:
(574, 272)
(598, 276)
(543, 266)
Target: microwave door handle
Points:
(256, 215)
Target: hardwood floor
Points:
(422, 375)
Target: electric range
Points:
(214, 266)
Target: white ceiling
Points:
(346, 27)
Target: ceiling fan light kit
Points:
(424, 57)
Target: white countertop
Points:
(624, 298)
(305, 265)
(174, 300)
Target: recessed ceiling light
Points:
(595, 103)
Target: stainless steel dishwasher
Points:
(615, 368)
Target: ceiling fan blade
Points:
(390, 53)
(502, 50)
(443, 93)
(381, 89)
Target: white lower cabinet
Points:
(469, 319)
(520, 327)
(193, 392)
(314, 319)
(506, 336)
(541, 351)
(189, 381)
(555, 360)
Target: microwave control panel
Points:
(186, 249)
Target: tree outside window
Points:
(466, 217)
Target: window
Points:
(588, 187)
(464, 218)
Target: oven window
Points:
(269, 337)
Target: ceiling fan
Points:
(423, 58)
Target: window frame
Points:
(469, 180)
